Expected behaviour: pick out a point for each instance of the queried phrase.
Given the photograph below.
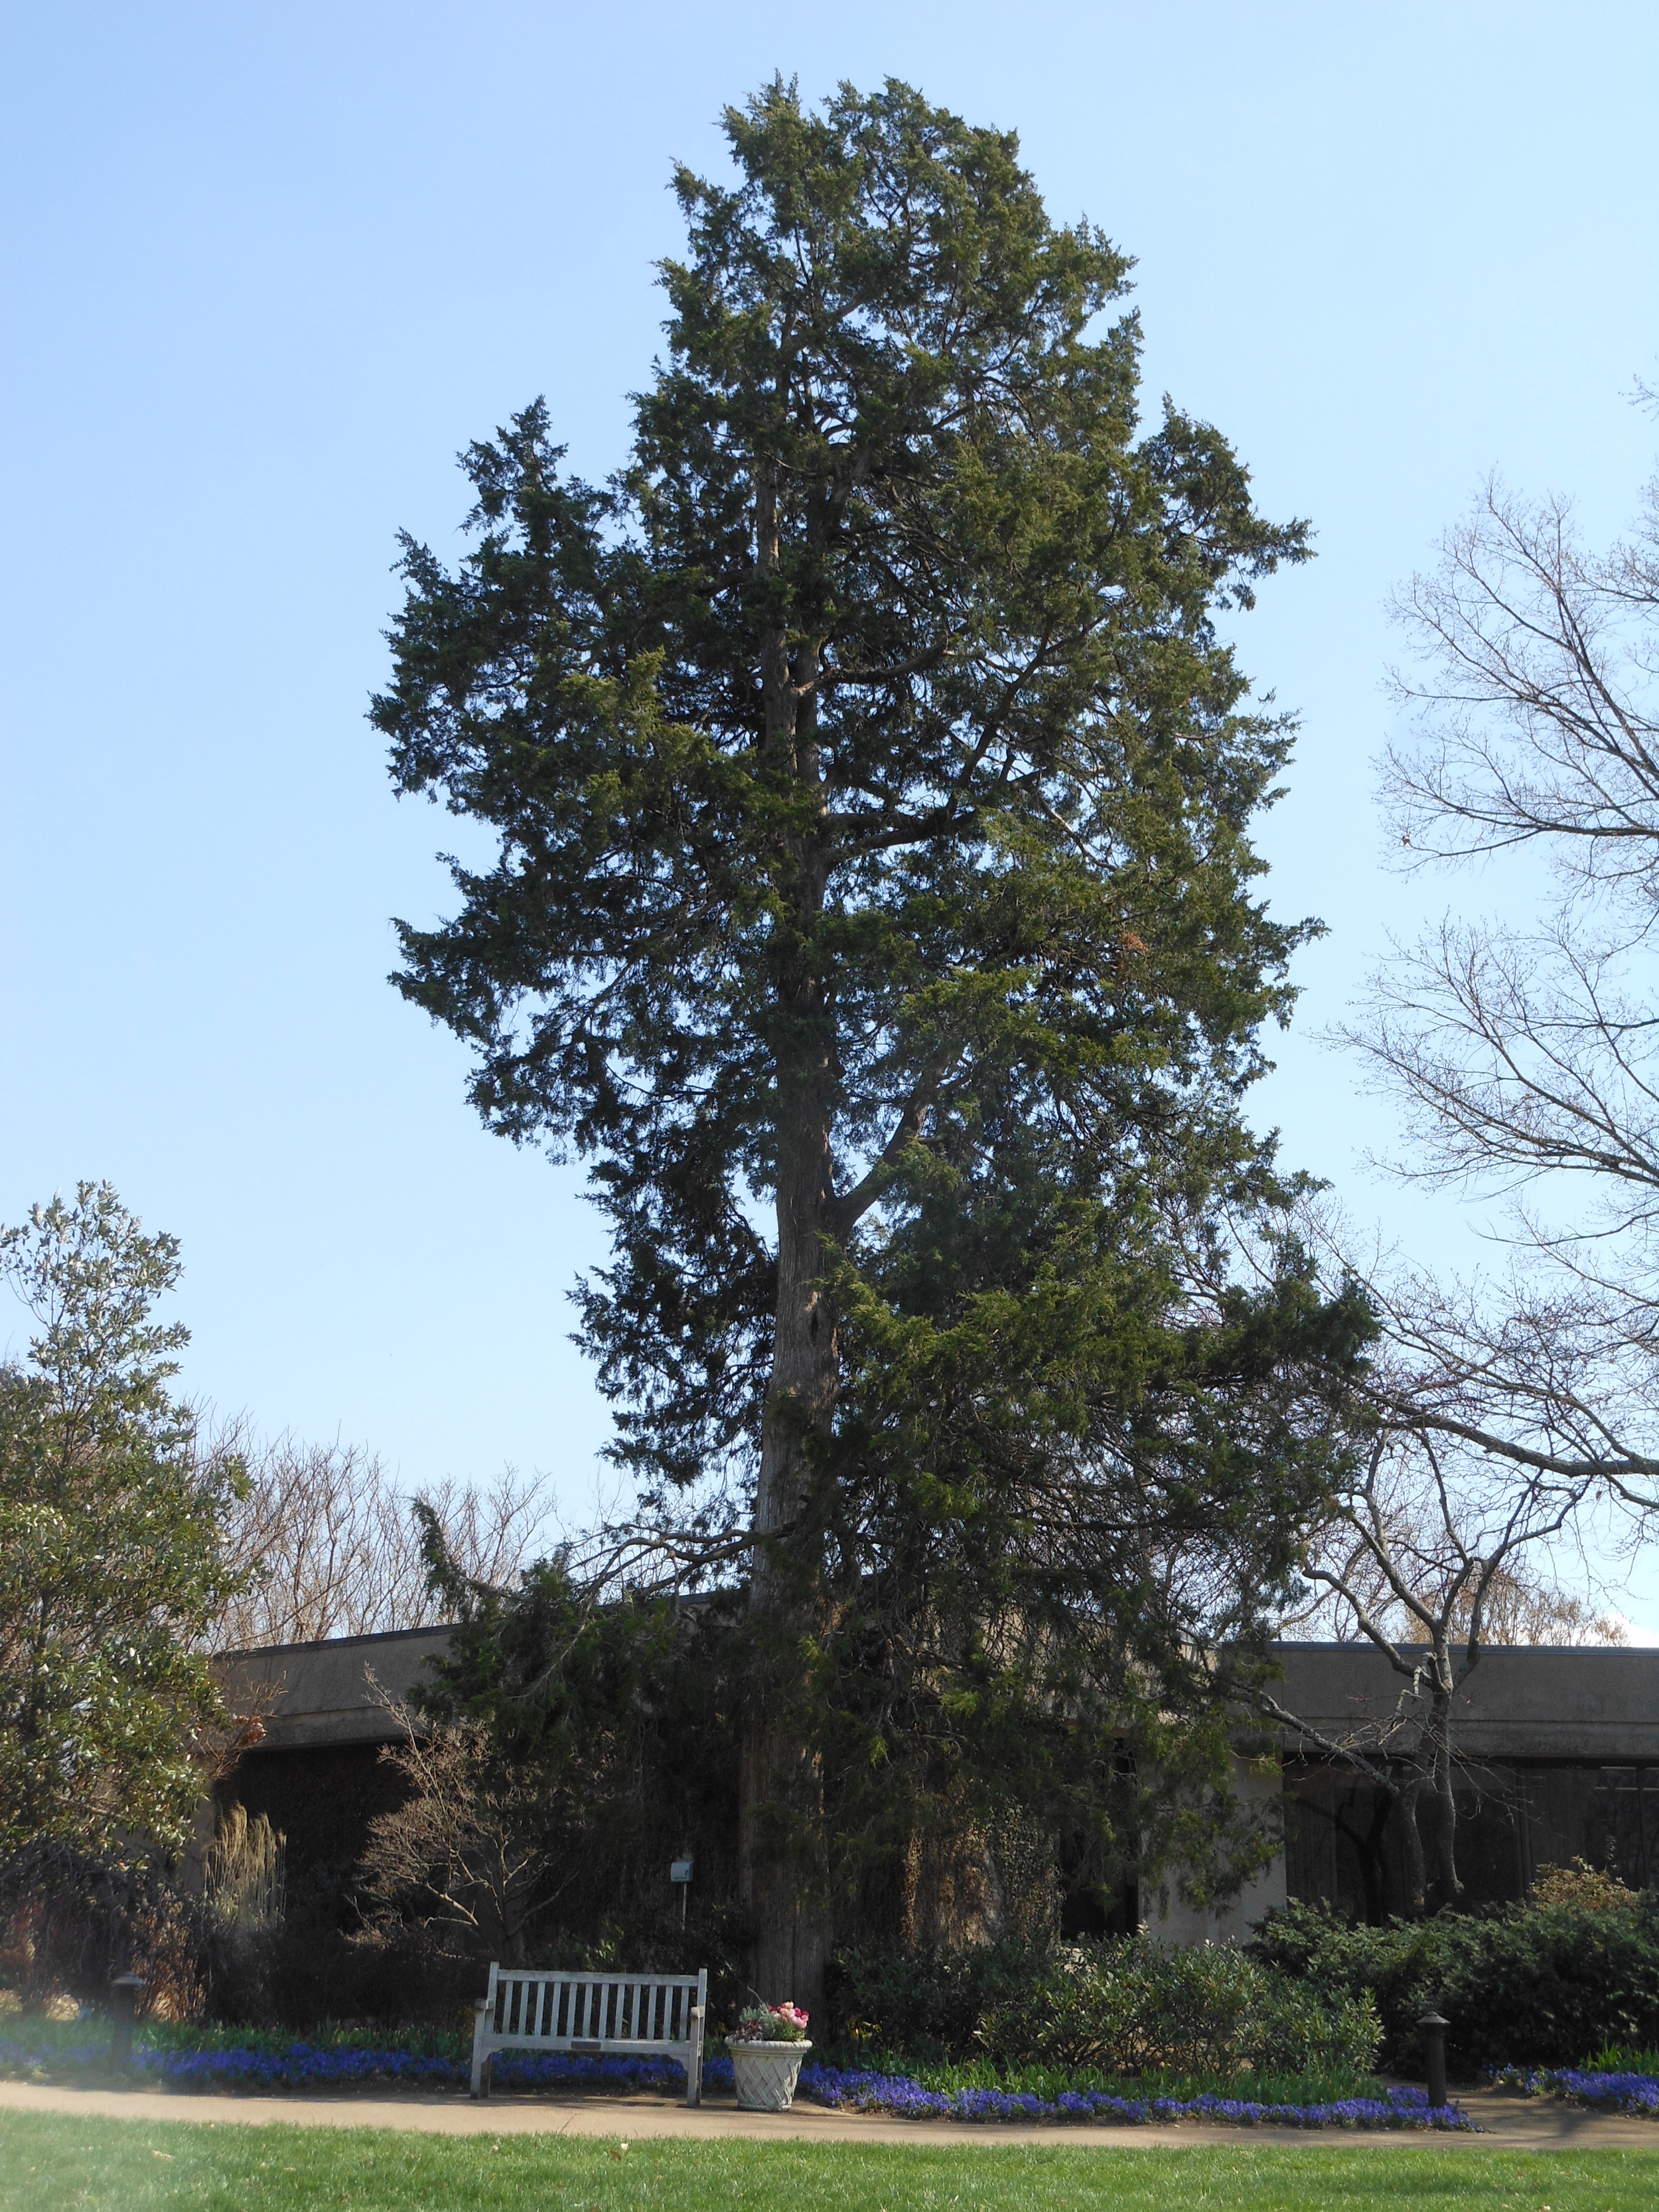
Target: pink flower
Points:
(763, 2023)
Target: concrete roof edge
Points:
(336, 1642)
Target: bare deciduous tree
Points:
(1528, 1057)
(461, 1860)
(1435, 1549)
(1521, 1600)
(1487, 1488)
(335, 1549)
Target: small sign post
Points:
(679, 1870)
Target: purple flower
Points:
(303, 2064)
(1624, 2093)
(896, 2093)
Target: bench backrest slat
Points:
(584, 2007)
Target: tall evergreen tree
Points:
(872, 909)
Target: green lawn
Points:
(65, 2163)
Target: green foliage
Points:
(601, 1748)
(1522, 1985)
(1308, 2085)
(111, 1524)
(1067, 1390)
(1133, 2007)
(873, 794)
(1624, 2058)
(1125, 2007)
(1592, 1889)
(928, 2004)
(764, 2023)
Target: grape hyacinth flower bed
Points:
(307, 2065)
(897, 2093)
(269, 2065)
(1616, 2091)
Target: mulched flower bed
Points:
(304, 2065)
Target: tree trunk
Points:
(1445, 1841)
(1417, 1878)
(1368, 1852)
(782, 1869)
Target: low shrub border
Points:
(1115, 2008)
(1533, 1985)
(304, 2065)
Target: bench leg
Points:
(694, 2059)
(481, 2056)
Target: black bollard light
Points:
(1432, 2029)
(123, 1995)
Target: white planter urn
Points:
(766, 2073)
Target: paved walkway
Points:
(1509, 2122)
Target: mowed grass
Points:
(70, 2164)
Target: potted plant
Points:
(767, 2046)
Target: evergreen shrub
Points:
(1521, 1985)
(1128, 2006)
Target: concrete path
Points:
(1507, 2122)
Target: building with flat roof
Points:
(1557, 1754)
(325, 1713)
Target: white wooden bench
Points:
(594, 2013)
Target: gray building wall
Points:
(1558, 1754)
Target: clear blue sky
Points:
(267, 268)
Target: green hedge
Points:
(1129, 2006)
(1525, 1986)
(927, 2004)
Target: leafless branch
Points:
(336, 1550)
